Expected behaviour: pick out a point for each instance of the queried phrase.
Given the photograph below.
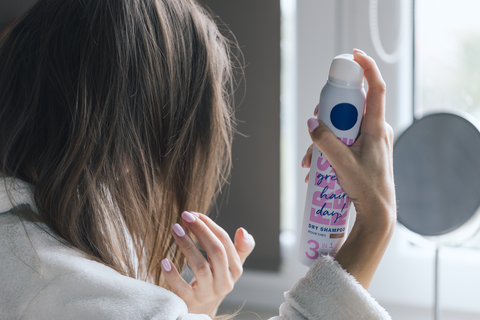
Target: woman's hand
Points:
(365, 172)
(214, 278)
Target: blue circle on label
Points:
(344, 116)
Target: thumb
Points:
(244, 243)
(335, 151)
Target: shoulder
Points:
(46, 279)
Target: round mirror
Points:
(437, 178)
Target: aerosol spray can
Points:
(341, 106)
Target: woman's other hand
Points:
(215, 277)
(365, 172)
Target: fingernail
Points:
(312, 124)
(359, 51)
(245, 234)
(195, 214)
(178, 230)
(303, 160)
(188, 217)
(316, 110)
(166, 265)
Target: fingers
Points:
(307, 159)
(225, 259)
(335, 151)
(233, 261)
(175, 280)
(200, 266)
(375, 108)
(215, 249)
(244, 244)
(236, 253)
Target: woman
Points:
(115, 130)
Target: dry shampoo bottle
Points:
(341, 106)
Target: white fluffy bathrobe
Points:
(43, 279)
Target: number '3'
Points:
(314, 248)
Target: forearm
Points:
(364, 248)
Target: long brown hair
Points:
(118, 113)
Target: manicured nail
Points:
(188, 217)
(359, 51)
(245, 234)
(195, 214)
(315, 112)
(178, 230)
(166, 265)
(312, 124)
(303, 160)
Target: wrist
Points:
(370, 238)
(376, 220)
(364, 247)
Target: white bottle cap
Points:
(345, 71)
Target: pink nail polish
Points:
(166, 265)
(188, 217)
(195, 214)
(303, 160)
(312, 124)
(245, 234)
(315, 112)
(359, 51)
(178, 230)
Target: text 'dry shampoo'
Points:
(341, 107)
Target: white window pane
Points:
(447, 56)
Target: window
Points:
(447, 56)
